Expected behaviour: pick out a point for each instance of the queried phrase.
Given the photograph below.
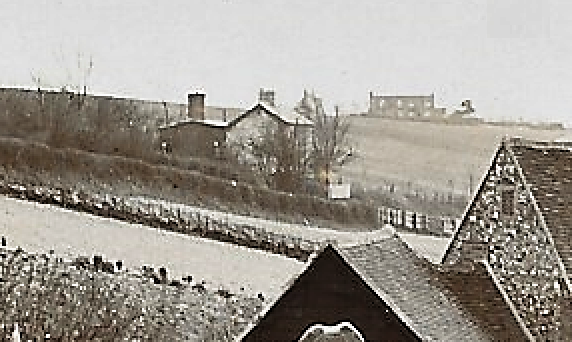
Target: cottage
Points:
(387, 293)
(198, 135)
(254, 122)
(520, 222)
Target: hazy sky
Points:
(511, 57)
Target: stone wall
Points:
(257, 125)
(516, 246)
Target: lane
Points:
(307, 232)
(39, 228)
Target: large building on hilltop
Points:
(394, 106)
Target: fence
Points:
(417, 222)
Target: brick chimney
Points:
(267, 96)
(196, 106)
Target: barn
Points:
(388, 293)
(519, 222)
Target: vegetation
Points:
(32, 163)
(51, 298)
(291, 157)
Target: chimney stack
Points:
(267, 96)
(196, 108)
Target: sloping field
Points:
(39, 228)
(427, 154)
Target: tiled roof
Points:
(436, 305)
(547, 169)
(412, 287)
(476, 291)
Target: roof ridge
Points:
(518, 141)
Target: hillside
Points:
(427, 154)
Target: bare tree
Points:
(280, 156)
(331, 147)
(286, 157)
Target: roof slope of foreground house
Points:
(421, 301)
(287, 117)
(548, 170)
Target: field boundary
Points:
(161, 216)
(415, 222)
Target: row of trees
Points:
(69, 119)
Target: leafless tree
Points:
(289, 156)
(280, 156)
(331, 146)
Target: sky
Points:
(510, 57)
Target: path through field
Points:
(39, 228)
(306, 232)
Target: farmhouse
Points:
(392, 106)
(388, 293)
(520, 222)
(196, 135)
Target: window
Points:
(507, 201)
(399, 103)
(342, 331)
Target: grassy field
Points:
(431, 156)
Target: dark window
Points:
(507, 201)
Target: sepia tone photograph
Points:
(270, 170)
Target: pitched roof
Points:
(430, 301)
(477, 292)
(547, 170)
(289, 117)
(286, 116)
(437, 302)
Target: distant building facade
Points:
(392, 106)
